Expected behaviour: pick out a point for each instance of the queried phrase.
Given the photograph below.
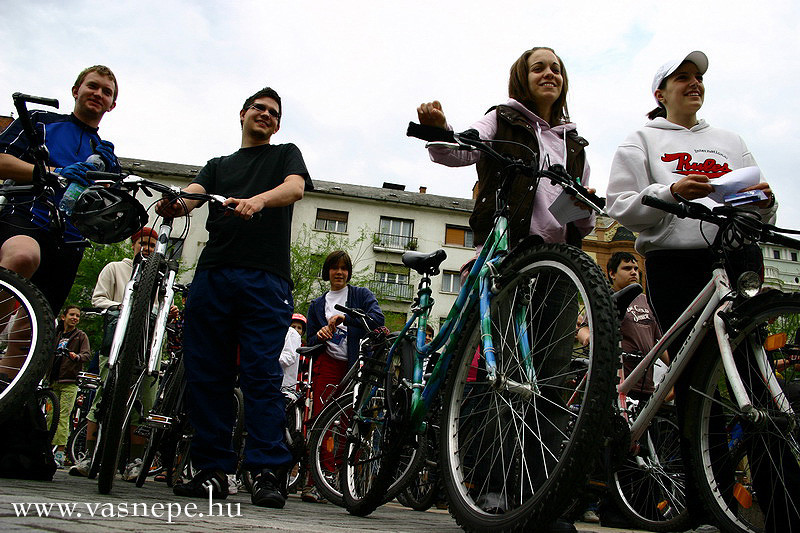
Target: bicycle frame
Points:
(710, 303)
(475, 288)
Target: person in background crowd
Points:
(290, 359)
(72, 352)
(341, 334)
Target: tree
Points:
(308, 253)
(94, 259)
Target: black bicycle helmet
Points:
(107, 215)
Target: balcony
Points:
(386, 242)
(392, 291)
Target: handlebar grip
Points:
(429, 133)
(679, 210)
(95, 175)
(782, 240)
(19, 97)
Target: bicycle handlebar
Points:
(723, 216)
(469, 140)
(356, 314)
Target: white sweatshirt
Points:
(289, 358)
(656, 156)
(110, 287)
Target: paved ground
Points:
(123, 511)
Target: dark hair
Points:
(428, 328)
(660, 110)
(67, 308)
(519, 89)
(333, 259)
(103, 71)
(266, 92)
(616, 259)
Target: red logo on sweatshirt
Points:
(686, 166)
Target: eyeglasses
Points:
(261, 108)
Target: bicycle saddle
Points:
(311, 350)
(424, 263)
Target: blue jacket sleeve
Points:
(363, 298)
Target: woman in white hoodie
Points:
(676, 155)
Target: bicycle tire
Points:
(24, 308)
(747, 472)
(326, 446)
(506, 464)
(133, 355)
(649, 487)
(380, 466)
(173, 386)
(76, 444)
(51, 407)
(296, 473)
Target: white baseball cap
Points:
(697, 57)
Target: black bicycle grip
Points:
(782, 240)
(95, 175)
(679, 210)
(52, 102)
(429, 133)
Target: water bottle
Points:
(75, 189)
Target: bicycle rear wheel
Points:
(326, 446)
(121, 391)
(27, 333)
(650, 486)
(76, 444)
(747, 463)
(515, 445)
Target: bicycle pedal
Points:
(158, 421)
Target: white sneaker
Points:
(233, 484)
(132, 470)
(81, 468)
(590, 517)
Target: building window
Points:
(391, 282)
(451, 281)
(776, 254)
(459, 236)
(396, 233)
(330, 220)
(794, 256)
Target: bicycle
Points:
(27, 324)
(88, 384)
(515, 438)
(135, 353)
(740, 423)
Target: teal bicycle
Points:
(523, 402)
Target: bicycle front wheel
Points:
(118, 396)
(326, 446)
(27, 333)
(519, 433)
(747, 461)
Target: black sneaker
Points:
(197, 487)
(266, 490)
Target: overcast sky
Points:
(352, 73)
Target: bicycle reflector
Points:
(106, 215)
(748, 284)
(775, 342)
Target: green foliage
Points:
(308, 253)
(94, 259)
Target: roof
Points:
(332, 188)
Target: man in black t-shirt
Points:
(241, 302)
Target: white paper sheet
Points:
(733, 182)
(564, 209)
